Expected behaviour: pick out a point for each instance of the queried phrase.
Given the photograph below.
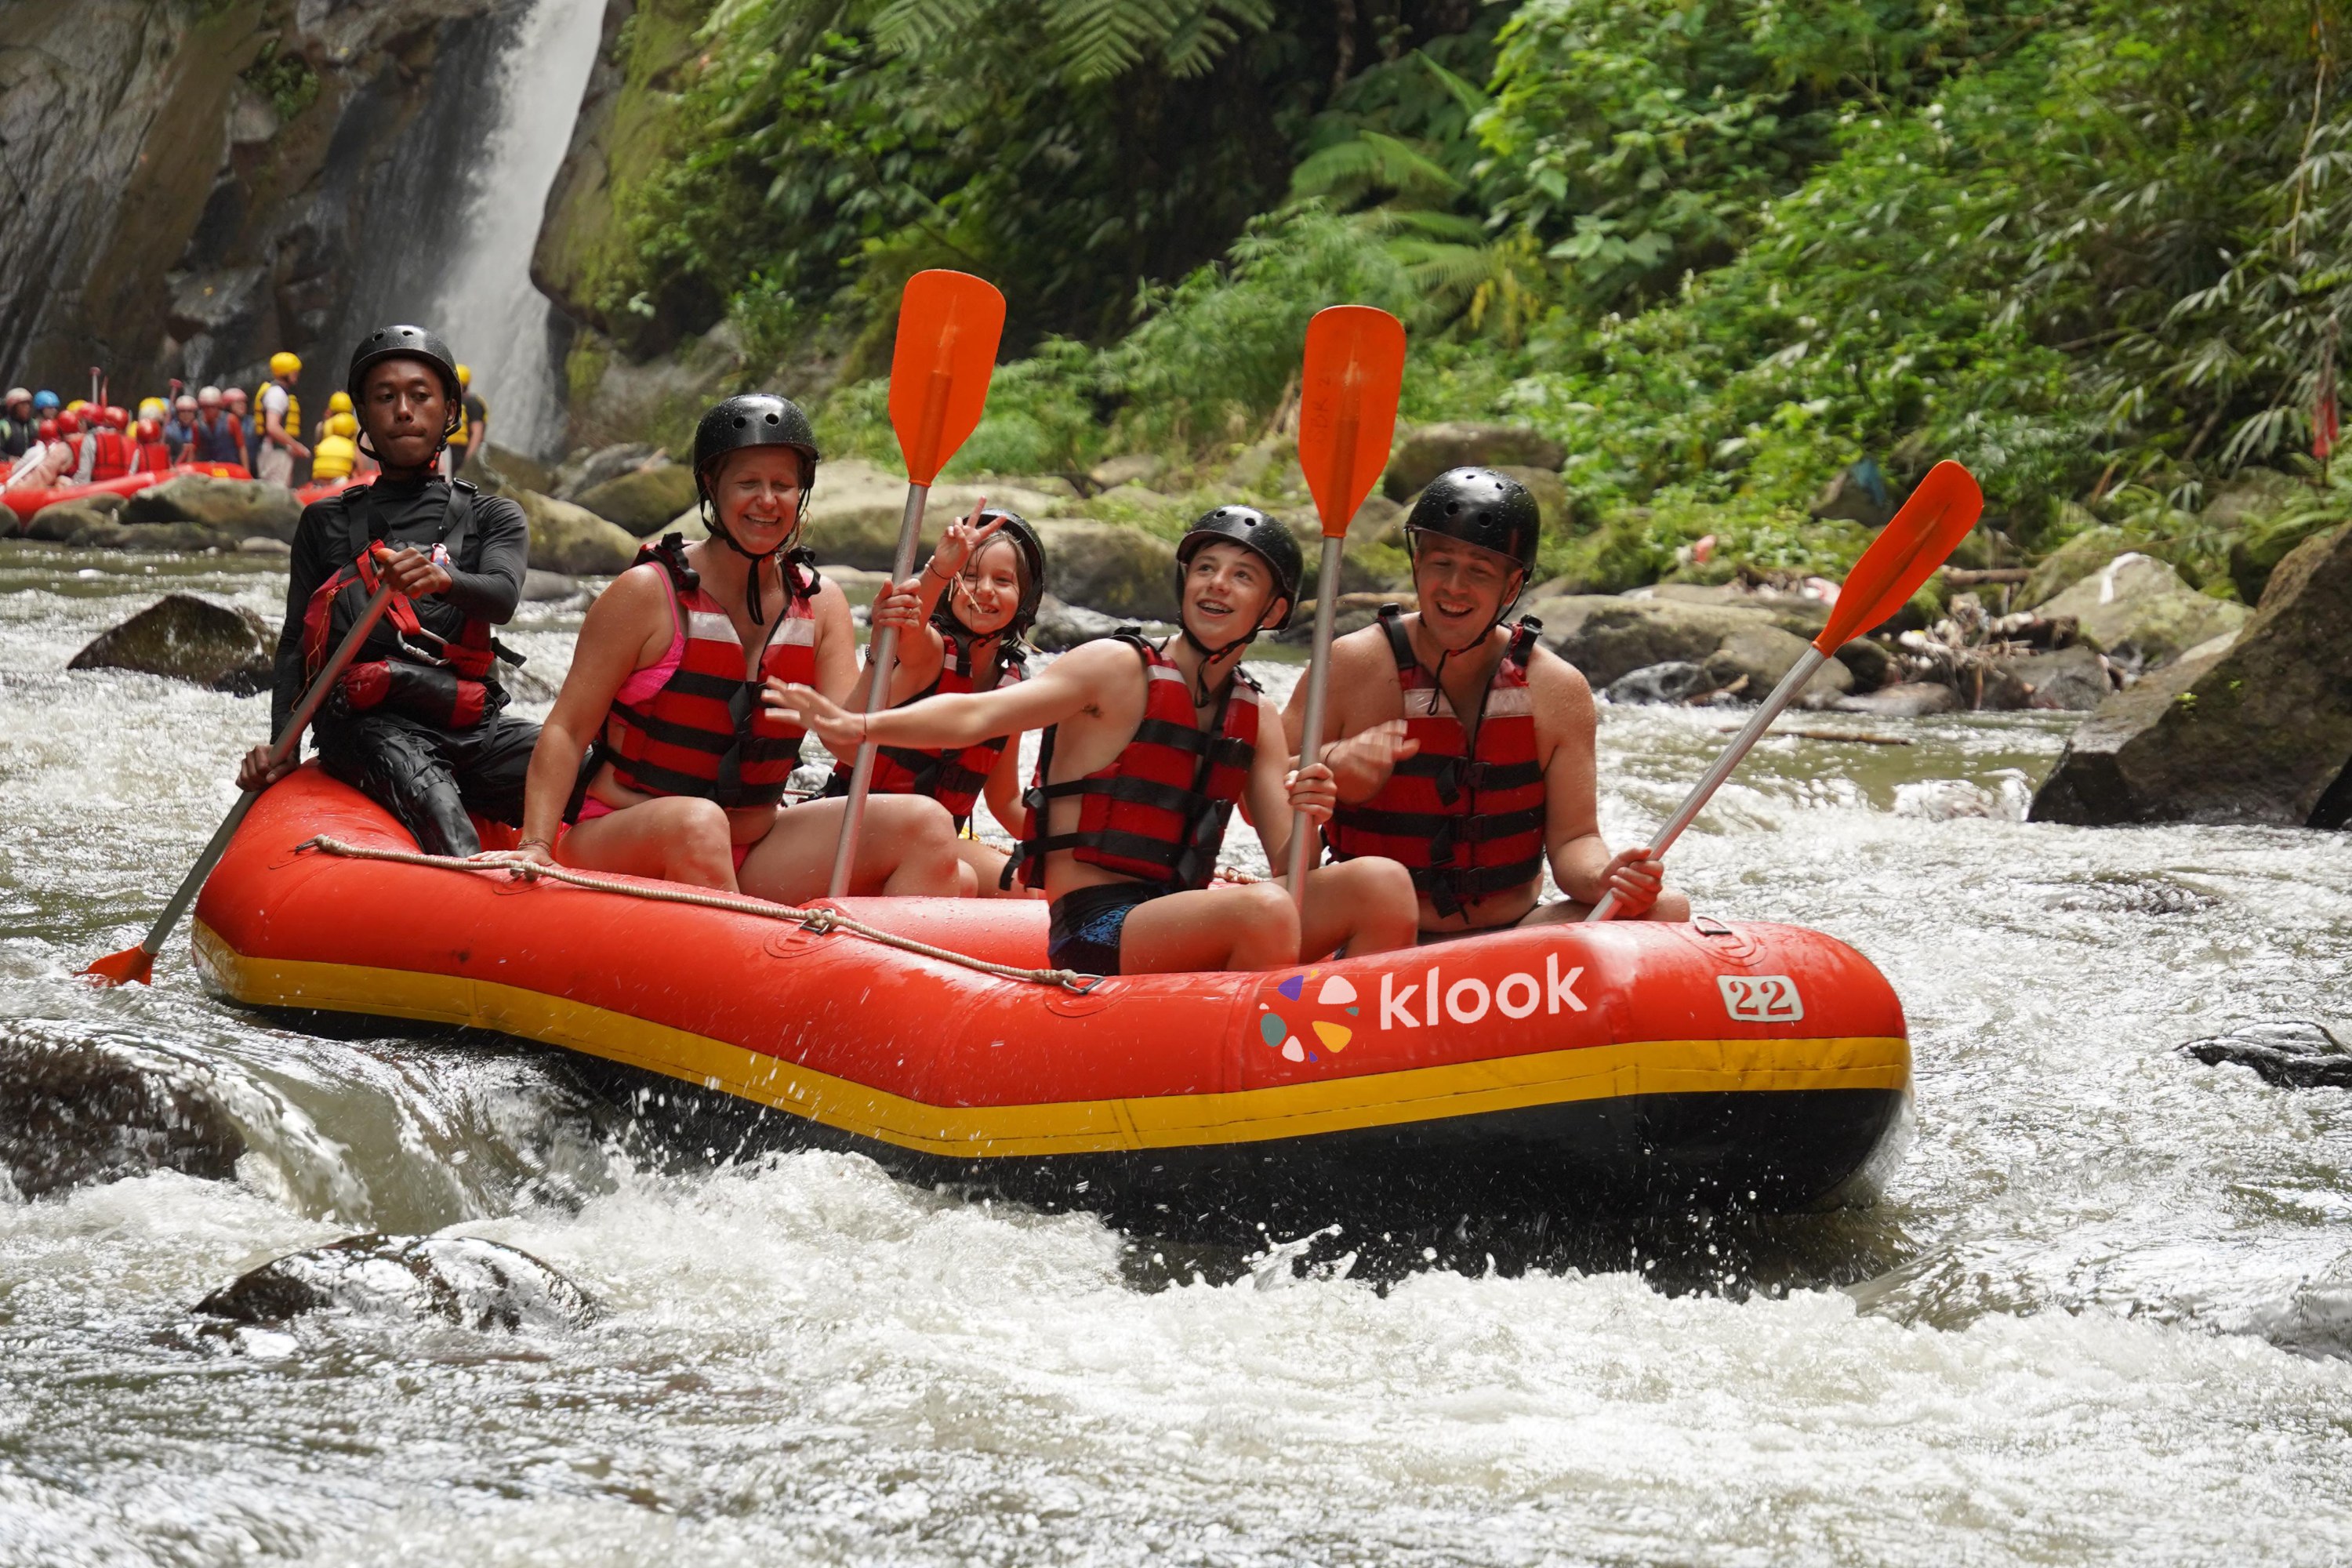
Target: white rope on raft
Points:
(817, 920)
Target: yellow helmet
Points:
(464, 376)
(340, 403)
(154, 408)
(343, 425)
(285, 364)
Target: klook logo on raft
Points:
(1421, 1003)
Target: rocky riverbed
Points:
(2100, 1315)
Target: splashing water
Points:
(2102, 1316)
(492, 316)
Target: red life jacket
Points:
(1466, 826)
(151, 458)
(705, 732)
(1159, 811)
(113, 458)
(954, 778)
(446, 682)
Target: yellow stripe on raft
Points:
(1071, 1127)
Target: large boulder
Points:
(1608, 637)
(573, 540)
(1552, 500)
(2259, 734)
(510, 469)
(1429, 450)
(61, 521)
(2070, 562)
(237, 508)
(1793, 612)
(1106, 566)
(72, 1113)
(2136, 604)
(642, 499)
(225, 646)
(1061, 626)
(584, 471)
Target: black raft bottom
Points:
(1767, 1151)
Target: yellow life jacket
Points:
(334, 458)
(465, 436)
(293, 413)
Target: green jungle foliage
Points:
(2097, 249)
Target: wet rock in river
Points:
(237, 508)
(1608, 637)
(60, 522)
(1677, 681)
(1060, 626)
(75, 1113)
(460, 1279)
(2293, 1054)
(1104, 566)
(573, 540)
(2259, 734)
(224, 646)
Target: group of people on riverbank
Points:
(1461, 763)
(49, 443)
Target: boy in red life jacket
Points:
(684, 771)
(1474, 809)
(959, 626)
(112, 447)
(417, 720)
(1147, 750)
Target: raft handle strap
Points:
(819, 922)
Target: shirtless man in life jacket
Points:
(684, 772)
(1146, 751)
(1473, 810)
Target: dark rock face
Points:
(188, 638)
(2295, 1054)
(193, 187)
(2261, 734)
(73, 1114)
(472, 1283)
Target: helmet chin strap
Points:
(1437, 676)
(1210, 656)
(757, 558)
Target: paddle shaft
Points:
(1704, 791)
(1318, 688)
(880, 659)
(288, 738)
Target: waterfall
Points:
(496, 322)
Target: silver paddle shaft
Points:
(1704, 791)
(880, 659)
(288, 738)
(1318, 688)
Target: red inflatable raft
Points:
(25, 503)
(1560, 1070)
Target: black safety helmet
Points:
(407, 342)
(1268, 538)
(753, 419)
(1481, 507)
(1032, 566)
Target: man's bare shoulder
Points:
(1559, 689)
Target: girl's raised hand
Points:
(962, 537)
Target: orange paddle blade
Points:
(948, 324)
(1346, 407)
(121, 968)
(1929, 527)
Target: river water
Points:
(2103, 1314)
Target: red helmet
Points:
(150, 428)
(70, 423)
(118, 417)
(47, 430)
